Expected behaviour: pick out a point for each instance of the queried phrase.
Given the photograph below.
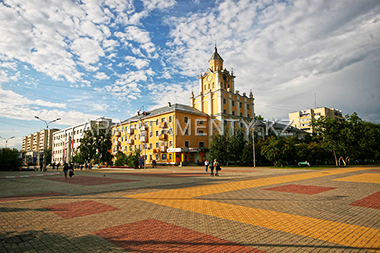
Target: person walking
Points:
(217, 168)
(206, 164)
(65, 169)
(71, 170)
(211, 169)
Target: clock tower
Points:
(217, 96)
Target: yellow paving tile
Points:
(336, 232)
(362, 178)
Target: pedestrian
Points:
(90, 166)
(81, 166)
(207, 164)
(65, 169)
(71, 170)
(85, 166)
(153, 163)
(211, 169)
(217, 168)
(53, 166)
(41, 166)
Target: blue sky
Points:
(79, 60)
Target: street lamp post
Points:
(6, 140)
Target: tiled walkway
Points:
(185, 210)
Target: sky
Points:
(81, 60)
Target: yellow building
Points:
(180, 133)
(302, 119)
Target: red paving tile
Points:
(164, 174)
(82, 180)
(31, 196)
(158, 236)
(302, 189)
(374, 170)
(77, 209)
(372, 201)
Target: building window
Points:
(208, 86)
(241, 114)
(224, 101)
(150, 145)
(201, 144)
(150, 134)
(201, 122)
(156, 157)
(224, 111)
(241, 105)
(156, 122)
(170, 143)
(233, 113)
(233, 103)
(170, 156)
(162, 119)
(205, 87)
(201, 133)
(186, 144)
(186, 119)
(170, 118)
(150, 157)
(156, 133)
(157, 144)
(186, 131)
(247, 107)
(213, 86)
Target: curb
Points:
(38, 175)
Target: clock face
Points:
(209, 78)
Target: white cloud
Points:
(101, 76)
(275, 48)
(138, 63)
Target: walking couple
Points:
(213, 165)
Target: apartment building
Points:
(66, 142)
(34, 144)
(302, 119)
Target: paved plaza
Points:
(172, 209)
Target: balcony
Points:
(163, 149)
(130, 141)
(156, 150)
(130, 131)
(163, 125)
(163, 137)
(143, 138)
(118, 134)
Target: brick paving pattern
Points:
(185, 210)
(31, 196)
(372, 201)
(78, 209)
(301, 189)
(83, 180)
(157, 236)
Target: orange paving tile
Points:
(362, 178)
(355, 236)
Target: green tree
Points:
(95, 146)
(121, 159)
(47, 155)
(219, 147)
(10, 159)
(280, 150)
(236, 145)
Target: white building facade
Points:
(67, 141)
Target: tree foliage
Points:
(349, 140)
(219, 147)
(131, 160)
(95, 146)
(10, 159)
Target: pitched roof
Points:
(216, 56)
(166, 109)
